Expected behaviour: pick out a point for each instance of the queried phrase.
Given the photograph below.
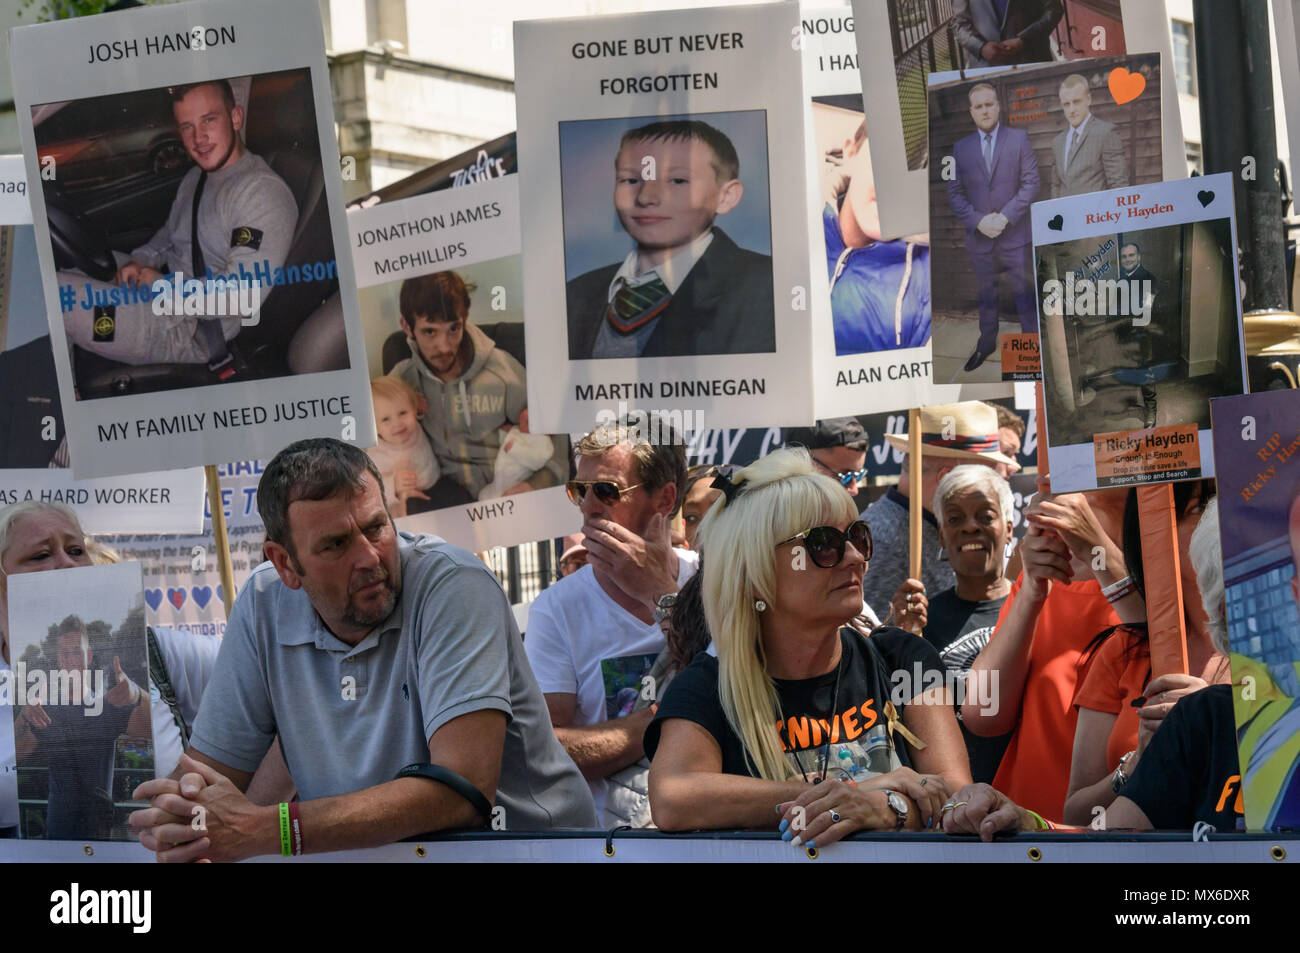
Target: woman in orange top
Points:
(1120, 705)
(1032, 661)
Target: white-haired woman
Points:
(793, 721)
(974, 509)
(1190, 772)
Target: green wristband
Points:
(1042, 824)
(285, 839)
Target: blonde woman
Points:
(801, 723)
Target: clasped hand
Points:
(993, 224)
(202, 817)
(861, 806)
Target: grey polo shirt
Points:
(350, 717)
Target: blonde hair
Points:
(1075, 79)
(781, 495)
(395, 389)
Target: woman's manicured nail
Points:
(784, 824)
(797, 841)
(811, 844)
(787, 835)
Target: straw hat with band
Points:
(971, 433)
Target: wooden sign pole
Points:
(218, 510)
(914, 492)
(1166, 628)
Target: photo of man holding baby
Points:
(452, 417)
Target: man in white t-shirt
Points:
(593, 636)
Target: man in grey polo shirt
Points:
(365, 650)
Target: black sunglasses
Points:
(826, 543)
(607, 491)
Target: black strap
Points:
(214, 342)
(162, 681)
(436, 772)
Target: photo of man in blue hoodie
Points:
(880, 290)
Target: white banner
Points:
(261, 345)
(666, 236)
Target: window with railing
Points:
(1184, 57)
(923, 44)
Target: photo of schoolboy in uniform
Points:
(686, 286)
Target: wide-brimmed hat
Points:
(965, 431)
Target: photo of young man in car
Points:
(231, 210)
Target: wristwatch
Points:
(1119, 778)
(898, 804)
(664, 606)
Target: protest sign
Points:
(667, 241)
(1257, 458)
(182, 585)
(443, 313)
(33, 450)
(902, 43)
(78, 692)
(1141, 326)
(999, 142)
(874, 351)
(197, 259)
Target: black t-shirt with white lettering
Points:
(846, 736)
(959, 629)
(1189, 771)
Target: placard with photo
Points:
(1000, 142)
(902, 42)
(442, 309)
(667, 243)
(199, 311)
(34, 457)
(873, 353)
(1257, 458)
(1141, 327)
(78, 694)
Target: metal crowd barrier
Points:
(629, 846)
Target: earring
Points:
(760, 605)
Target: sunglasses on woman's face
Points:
(607, 491)
(825, 544)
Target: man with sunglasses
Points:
(838, 446)
(593, 636)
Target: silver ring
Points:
(835, 817)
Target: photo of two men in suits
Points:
(685, 286)
(1035, 137)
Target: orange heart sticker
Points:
(1126, 86)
